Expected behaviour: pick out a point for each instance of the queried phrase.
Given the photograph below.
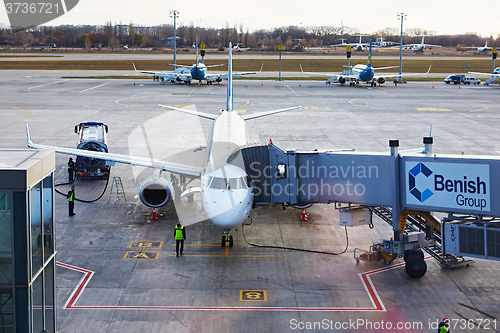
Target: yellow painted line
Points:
(432, 109)
(125, 105)
(146, 244)
(314, 108)
(485, 107)
(290, 89)
(141, 255)
(195, 87)
(226, 251)
(29, 114)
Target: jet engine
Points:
(155, 191)
(341, 80)
(218, 79)
(381, 80)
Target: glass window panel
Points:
(49, 297)
(218, 183)
(5, 238)
(36, 300)
(48, 220)
(6, 311)
(36, 228)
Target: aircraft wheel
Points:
(231, 241)
(416, 267)
(223, 241)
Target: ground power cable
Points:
(81, 200)
(293, 248)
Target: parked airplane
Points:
(226, 196)
(479, 49)
(419, 47)
(344, 44)
(494, 77)
(362, 73)
(381, 42)
(358, 47)
(186, 74)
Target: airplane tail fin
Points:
(369, 64)
(229, 106)
(28, 136)
(197, 61)
(466, 71)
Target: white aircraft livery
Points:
(225, 193)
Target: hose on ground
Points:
(81, 200)
(293, 248)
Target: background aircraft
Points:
(419, 47)
(381, 42)
(226, 196)
(361, 73)
(479, 49)
(186, 74)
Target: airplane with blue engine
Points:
(198, 71)
(226, 195)
(362, 73)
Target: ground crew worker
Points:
(444, 326)
(180, 236)
(71, 169)
(395, 82)
(71, 201)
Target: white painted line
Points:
(48, 84)
(93, 87)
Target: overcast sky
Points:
(443, 17)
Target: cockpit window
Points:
(227, 183)
(218, 183)
(236, 184)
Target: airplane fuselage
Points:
(363, 72)
(226, 196)
(198, 72)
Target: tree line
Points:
(292, 37)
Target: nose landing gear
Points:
(227, 238)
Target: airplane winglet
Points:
(429, 69)
(28, 136)
(261, 68)
(135, 68)
(301, 68)
(466, 71)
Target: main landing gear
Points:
(227, 238)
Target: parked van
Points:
(471, 80)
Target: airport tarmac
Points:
(117, 268)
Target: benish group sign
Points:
(450, 186)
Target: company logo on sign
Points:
(453, 186)
(420, 168)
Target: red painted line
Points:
(365, 278)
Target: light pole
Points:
(174, 14)
(402, 17)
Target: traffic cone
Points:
(303, 217)
(458, 87)
(432, 87)
(154, 214)
(134, 83)
(300, 85)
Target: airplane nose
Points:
(227, 209)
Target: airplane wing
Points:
(266, 113)
(134, 160)
(430, 45)
(335, 76)
(214, 77)
(379, 68)
(412, 74)
(196, 113)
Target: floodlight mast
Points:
(402, 17)
(174, 14)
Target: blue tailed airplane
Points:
(186, 74)
(362, 73)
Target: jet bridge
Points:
(416, 181)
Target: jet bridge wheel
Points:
(416, 267)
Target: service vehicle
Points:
(456, 79)
(471, 80)
(92, 136)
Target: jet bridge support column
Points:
(396, 207)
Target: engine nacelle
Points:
(155, 191)
(302, 206)
(218, 79)
(381, 80)
(341, 80)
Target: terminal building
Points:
(27, 241)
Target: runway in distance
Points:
(226, 196)
(186, 74)
(419, 47)
(362, 73)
